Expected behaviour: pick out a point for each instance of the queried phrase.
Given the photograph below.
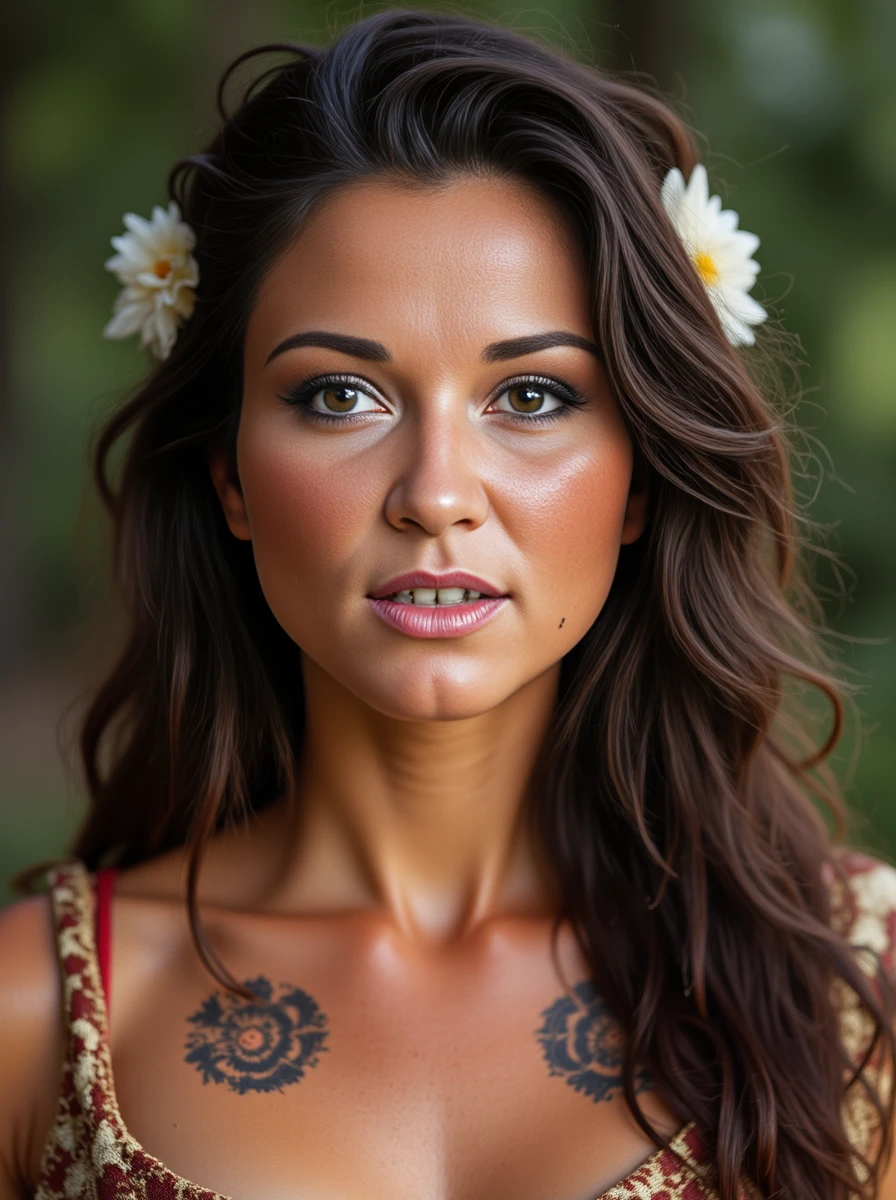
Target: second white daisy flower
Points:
(721, 253)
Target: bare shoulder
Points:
(237, 866)
(32, 1038)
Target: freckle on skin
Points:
(562, 620)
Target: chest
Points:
(366, 1070)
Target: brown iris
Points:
(526, 398)
(340, 399)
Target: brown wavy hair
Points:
(681, 798)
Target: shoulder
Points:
(32, 1035)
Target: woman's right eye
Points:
(341, 398)
(332, 399)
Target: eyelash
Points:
(301, 393)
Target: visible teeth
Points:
(430, 597)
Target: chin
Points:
(434, 693)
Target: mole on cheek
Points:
(562, 622)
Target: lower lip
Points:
(438, 620)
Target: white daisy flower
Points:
(720, 252)
(159, 275)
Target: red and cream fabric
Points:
(90, 1155)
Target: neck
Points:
(424, 821)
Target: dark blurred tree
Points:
(13, 573)
(651, 39)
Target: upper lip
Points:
(429, 579)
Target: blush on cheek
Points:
(576, 517)
(306, 520)
(574, 535)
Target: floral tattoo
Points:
(256, 1047)
(583, 1042)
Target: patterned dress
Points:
(90, 1155)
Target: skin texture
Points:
(423, 815)
(395, 909)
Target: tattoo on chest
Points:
(257, 1047)
(582, 1041)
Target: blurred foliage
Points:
(796, 109)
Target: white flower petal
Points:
(125, 243)
(743, 306)
(153, 282)
(126, 321)
(727, 220)
(141, 231)
(130, 294)
(738, 333)
(130, 249)
(138, 225)
(191, 272)
(741, 276)
(747, 243)
(673, 194)
(736, 330)
(710, 232)
(160, 330)
(698, 189)
(118, 264)
(185, 303)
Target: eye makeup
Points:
(301, 394)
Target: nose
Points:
(438, 483)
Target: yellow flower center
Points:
(162, 268)
(706, 267)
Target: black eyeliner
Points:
(299, 395)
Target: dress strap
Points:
(105, 886)
(84, 1009)
(89, 1153)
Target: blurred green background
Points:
(796, 107)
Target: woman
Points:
(457, 542)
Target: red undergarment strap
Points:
(105, 884)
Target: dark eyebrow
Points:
(514, 347)
(359, 347)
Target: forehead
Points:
(477, 259)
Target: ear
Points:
(635, 519)
(222, 467)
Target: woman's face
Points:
(410, 428)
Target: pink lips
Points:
(428, 579)
(437, 621)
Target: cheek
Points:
(307, 517)
(318, 527)
(569, 522)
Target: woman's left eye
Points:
(530, 398)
